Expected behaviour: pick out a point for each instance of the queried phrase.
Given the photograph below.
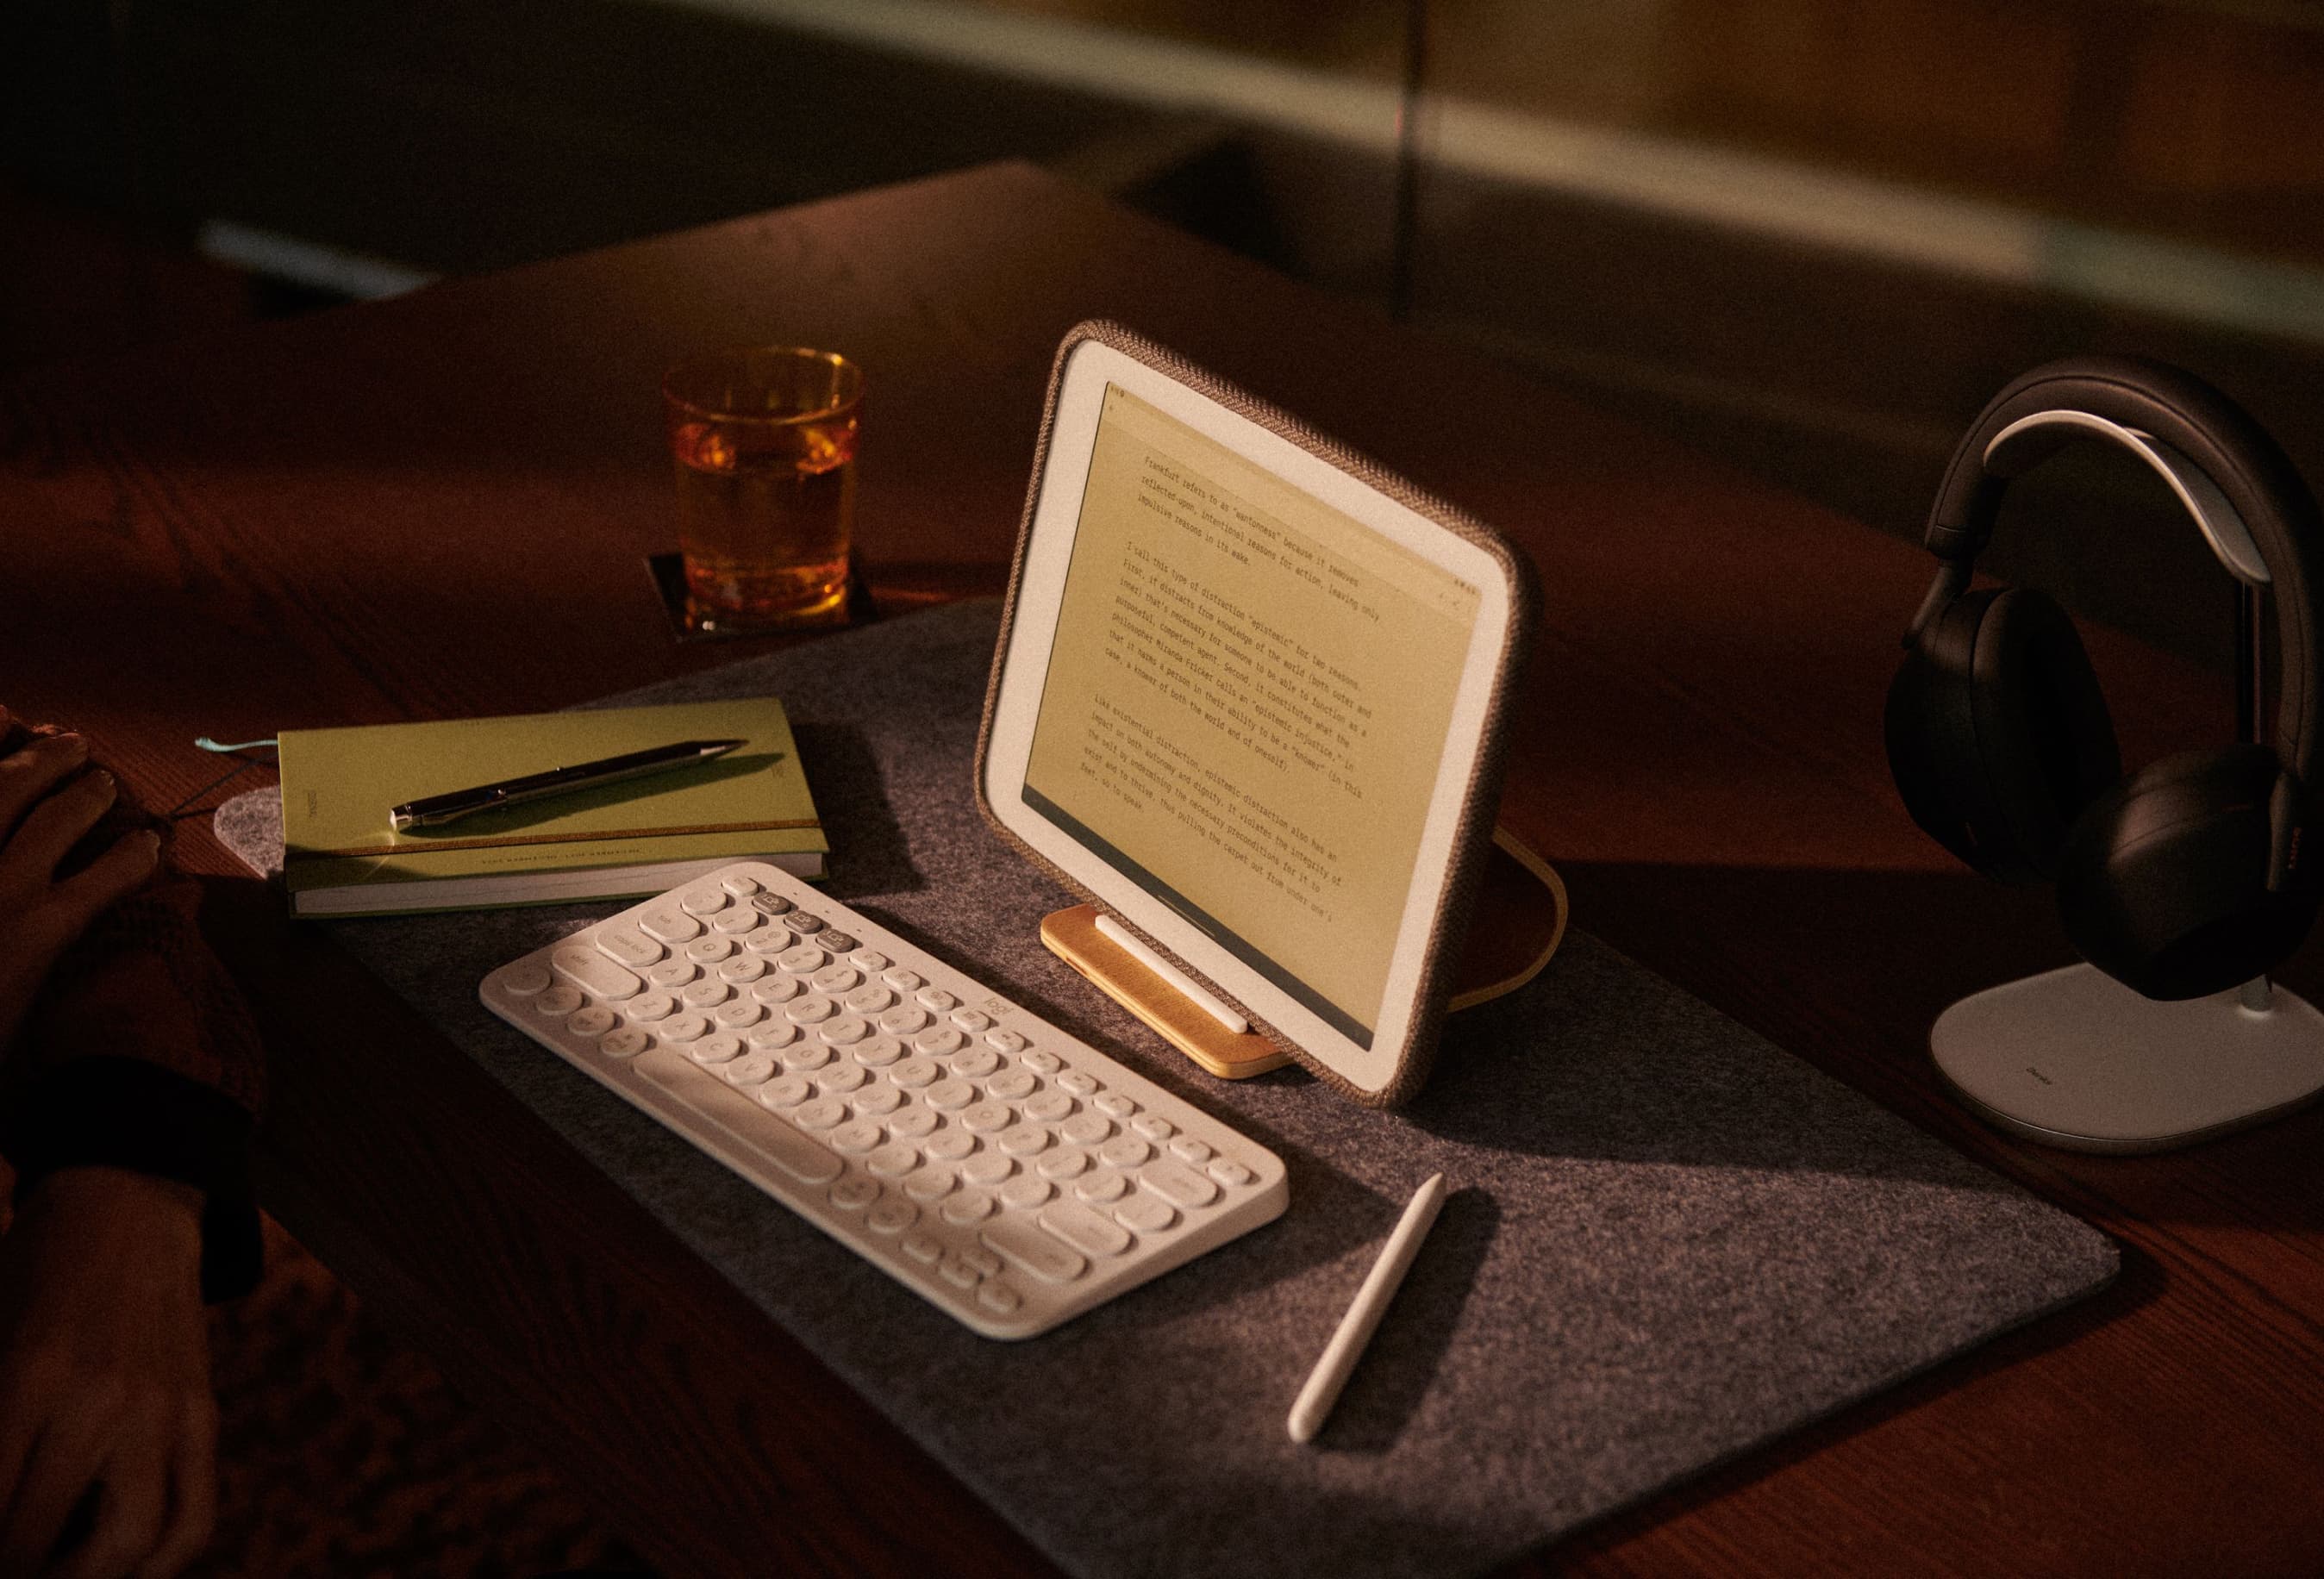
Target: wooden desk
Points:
(438, 506)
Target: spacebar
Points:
(738, 1118)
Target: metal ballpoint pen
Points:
(433, 810)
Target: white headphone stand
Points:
(2074, 1059)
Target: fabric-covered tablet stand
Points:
(1669, 1240)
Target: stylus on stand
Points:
(1346, 1345)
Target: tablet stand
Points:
(1518, 919)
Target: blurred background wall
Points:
(1810, 236)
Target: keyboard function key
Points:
(740, 886)
(936, 999)
(1004, 1042)
(971, 1020)
(903, 980)
(1189, 1150)
(836, 942)
(869, 960)
(1153, 1126)
(771, 904)
(1234, 1175)
(1114, 1105)
(804, 923)
(1042, 1062)
(1074, 1081)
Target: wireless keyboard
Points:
(1006, 1172)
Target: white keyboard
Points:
(998, 1167)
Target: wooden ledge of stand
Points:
(1512, 933)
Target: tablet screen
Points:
(1246, 705)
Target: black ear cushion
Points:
(2163, 882)
(1997, 733)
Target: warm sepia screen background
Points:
(1246, 705)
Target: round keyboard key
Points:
(812, 1010)
(705, 901)
(903, 980)
(806, 1053)
(857, 1135)
(683, 1028)
(804, 923)
(936, 999)
(1231, 1174)
(988, 1169)
(1013, 1086)
(891, 1217)
(949, 1095)
(971, 1020)
(773, 1035)
(949, 1145)
(1066, 1162)
(741, 1012)
(1114, 1105)
(651, 1006)
(976, 1064)
(932, 1183)
(1048, 1107)
(870, 998)
(839, 1079)
(1024, 1140)
(836, 942)
(879, 1052)
(1042, 1062)
(624, 946)
(625, 1043)
(938, 1040)
(734, 921)
(789, 1091)
(1188, 1149)
(1004, 1042)
(984, 1116)
(671, 974)
(705, 993)
(821, 1113)
(740, 886)
(750, 1069)
(771, 904)
(904, 1019)
(594, 1021)
(709, 950)
(914, 1072)
(912, 1124)
(846, 1031)
(1153, 1126)
(869, 960)
(1076, 1082)
(742, 969)
(1100, 1188)
(836, 979)
(922, 1249)
(805, 960)
(778, 989)
(522, 981)
(559, 1002)
(968, 1206)
(957, 1272)
(1085, 1129)
(893, 1160)
(1124, 1151)
(714, 1049)
(878, 1101)
(854, 1193)
(999, 1299)
(1145, 1213)
(1022, 1194)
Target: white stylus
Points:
(1346, 1345)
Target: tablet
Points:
(1248, 700)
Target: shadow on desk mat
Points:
(1670, 1240)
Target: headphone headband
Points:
(2213, 454)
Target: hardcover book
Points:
(621, 840)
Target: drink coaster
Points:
(667, 572)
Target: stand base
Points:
(1517, 921)
(2075, 1059)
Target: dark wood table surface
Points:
(438, 506)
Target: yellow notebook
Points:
(620, 840)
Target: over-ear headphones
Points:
(2189, 876)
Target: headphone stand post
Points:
(2075, 1059)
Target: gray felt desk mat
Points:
(1669, 1241)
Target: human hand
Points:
(44, 809)
(106, 1415)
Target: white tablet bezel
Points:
(1411, 1002)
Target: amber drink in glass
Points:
(764, 439)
